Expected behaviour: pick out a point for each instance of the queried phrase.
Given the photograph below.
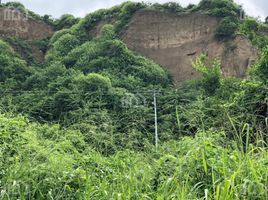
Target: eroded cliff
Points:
(174, 41)
(16, 24)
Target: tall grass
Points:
(43, 162)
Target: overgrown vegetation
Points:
(81, 125)
(255, 32)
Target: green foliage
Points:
(227, 28)
(94, 82)
(249, 24)
(42, 44)
(62, 46)
(171, 7)
(21, 46)
(211, 75)
(48, 19)
(108, 32)
(41, 161)
(252, 29)
(260, 69)
(12, 68)
(128, 9)
(15, 4)
(65, 21)
(57, 35)
(220, 8)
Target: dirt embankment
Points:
(15, 24)
(174, 41)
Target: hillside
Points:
(76, 114)
(171, 40)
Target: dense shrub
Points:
(253, 30)
(260, 69)
(94, 82)
(16, 5)
(126, 12)
(12, 66)
(62, 46)
(227, 28)
(172, 7)
(211, 75)
(65, 21)
(23, 47)
(220, 8)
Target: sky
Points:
(79, 8)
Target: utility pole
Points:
(155, 119)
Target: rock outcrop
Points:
(174, 41)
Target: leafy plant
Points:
(211, 75)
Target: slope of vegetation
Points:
(81, 125)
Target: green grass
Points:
(44, 162)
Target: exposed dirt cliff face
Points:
(14, 23)
(174, 41)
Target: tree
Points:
(266, 20)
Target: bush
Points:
(93, 83)
(171, 7)
(12, 66)
(57, 35)
(253, 30)
(260, 69)
(227, 28)
(128, 9)
(108, 32)
(65, 21)
(62, 46)
(220, 8)
(16, 5)
(211, 75)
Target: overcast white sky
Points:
(256, 8)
